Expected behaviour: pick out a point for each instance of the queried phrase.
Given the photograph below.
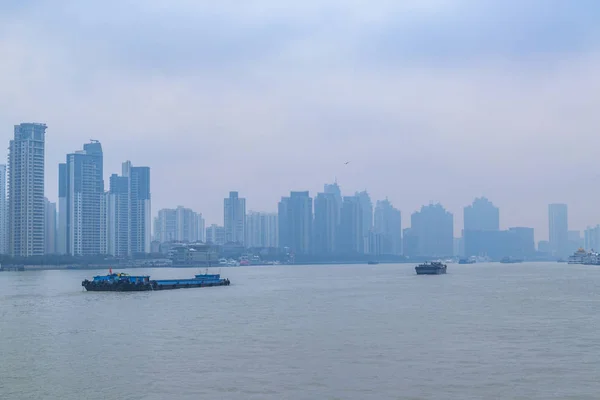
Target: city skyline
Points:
(442, 101)
(85, 170)
(88, 220)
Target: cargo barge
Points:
(433, 268)
(121, 282)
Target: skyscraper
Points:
(481, 233)
(559, 230)
(140, 215)
(26, 190)
(82, 194)
(482, 215)
(326, 223)
(351, 239)
(388, 224)
(234, 210)
(61, 229)
(50, 246)
(3, 212)
(433, 228)
(295, 222)
(334, 189)
(366, 206)
(129, 208)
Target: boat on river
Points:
(431, 268)
(121, 282)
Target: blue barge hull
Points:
(127, 283)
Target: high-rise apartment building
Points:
(482, 215)
(388, 225)
(366, 206)
(559, 230)
(3, 212)
(351, 234)
(215, 235)
(261, 229)
(481, 233)
(50, 235)
(295, 222)
(178, 225)
(81, 199)
(26, 206)
(234, 208)
(334, 189)
(129, 207)
(326, 223)
(433, 228)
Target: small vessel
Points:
(121, 282)
(466, 261)
(373, 262)
(510, 260)
(431, 268)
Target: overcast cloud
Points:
(432, 100)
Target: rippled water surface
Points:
(483, 331)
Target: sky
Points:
(430, 100)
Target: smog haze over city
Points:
(429, 100)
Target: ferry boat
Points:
(433, 268)
(579, 257)
(469, 260)
(121, 282)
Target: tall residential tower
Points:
(26, 205)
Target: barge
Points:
(433, 268)
(121, 282)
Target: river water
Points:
(483, 331)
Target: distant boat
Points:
(510, 260)
(373, 262)
(579, 257)
(433, 268)
(466, 261)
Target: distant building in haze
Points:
(591, 238)
(215, 235)
(26, 205)
(433, 228)
(388, 224)
(482, 215)
(481, 233)
(326, 223)
(295, 222)
(234, 208)
(334, 189)
(366, 206)
(178, 225)
(351, 234)
(262, 229)
(575, 241)
(558, 230)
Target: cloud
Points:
(430, 99)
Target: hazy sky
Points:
(431, 100)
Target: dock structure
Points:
(4, 268)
